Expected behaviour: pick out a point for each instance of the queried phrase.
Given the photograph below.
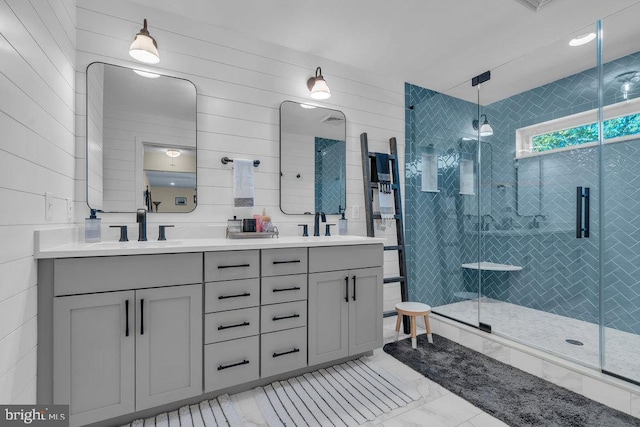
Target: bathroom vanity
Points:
(130, 329)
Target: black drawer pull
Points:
(246, 294)
(295, 288)
(244, 362)
(294, 261)
(234, 266)
(295, 350)
(293, 316)
(220, 328)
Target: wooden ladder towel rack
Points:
(371, 185)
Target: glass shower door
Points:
(541, 286)
(621, 175)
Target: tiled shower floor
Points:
(550, 331)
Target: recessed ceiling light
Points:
(146, 74)
(172, 183)
(583, 39)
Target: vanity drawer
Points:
(283, 351)
(116, 273)
(231, 295)
(279, 289)
(277, 317)
(345, 257)
(277, 262)
(230, 325)
(229, 363)
(231, 265)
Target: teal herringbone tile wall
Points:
(560, 272)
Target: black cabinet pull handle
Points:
(246, 294)
(220, 328)
(578, 212)
(294, 261)
(234, 266)
(346, 289)
(295, 288)
(293, 316)
(586, 212)
(126, 316)
(295, 350)
(244, 362)
(354, 288)
(141, 316)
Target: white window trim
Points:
(524, 136)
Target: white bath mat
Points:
(220, 411)
(349, 394)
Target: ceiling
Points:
(439, 45)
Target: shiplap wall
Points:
(240, 83)
(37, 155)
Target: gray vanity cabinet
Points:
(88, 352)
(127, 350)
(232, 318)
(345, 306)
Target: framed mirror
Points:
(312, 159)
(141, 141)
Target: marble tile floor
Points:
(438, 407)
(549, 332)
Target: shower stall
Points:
(523, 199)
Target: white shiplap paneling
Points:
(37, 155)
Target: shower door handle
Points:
(582, 227)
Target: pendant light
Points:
(318, 86)
(144, 48)
(485, 127)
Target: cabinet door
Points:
(93, 356)
(168, 345)
(365, 310)
(328, 316)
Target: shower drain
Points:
(574, 342)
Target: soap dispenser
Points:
(92, 227)
(343, 226)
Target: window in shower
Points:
(622, 122)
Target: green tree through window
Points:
(613, 128)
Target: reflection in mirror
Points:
(312, 159)
(169, 178)
(141, 141)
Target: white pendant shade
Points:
(486, 130)
(144, 47)
(318, 87)
(320, 90)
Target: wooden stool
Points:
(413, 309)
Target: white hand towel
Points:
(242, 183)
(387, 206)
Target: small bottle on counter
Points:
(343, 226)
(266, 221)
(92, 231)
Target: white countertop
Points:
(81, 249)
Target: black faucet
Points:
(141, 219)
(316, 222)
(485, 222)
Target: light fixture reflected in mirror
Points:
(485, 127)
(318, 86)
(144, 47)
(146, 74)
(172, 152)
